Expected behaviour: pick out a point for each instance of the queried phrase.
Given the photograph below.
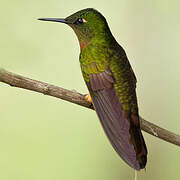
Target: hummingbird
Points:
(111, 83)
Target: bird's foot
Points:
(88, 98)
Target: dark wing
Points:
(121, 128)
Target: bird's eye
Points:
(79, 21)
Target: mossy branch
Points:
(77, 98)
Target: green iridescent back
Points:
(111, 55)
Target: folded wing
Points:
(124, 135)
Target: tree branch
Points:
(77, 98)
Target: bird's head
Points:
(88, 24)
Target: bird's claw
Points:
(88, 98)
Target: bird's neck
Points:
(97, 42)
(104, 38)
(83, 44)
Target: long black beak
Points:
(54, 20)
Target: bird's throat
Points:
(83, 44)
(83, 39)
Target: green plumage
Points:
(111, 83)
(113, 56)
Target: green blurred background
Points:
(44, 138)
